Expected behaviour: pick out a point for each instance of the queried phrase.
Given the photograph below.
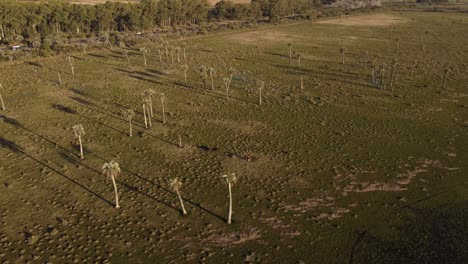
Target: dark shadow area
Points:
(64, 109)
(10, 145)
(430, 235)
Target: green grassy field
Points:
(340, 171)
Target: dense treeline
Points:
(21, 21)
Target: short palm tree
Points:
(71, 63)
(149, 93)
(128, 115)
(79, 132)
(231, 179)
(176, 184)
(1, 98)
(144, 51)
(146, 113)
(111, 170)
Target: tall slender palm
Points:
(212, 72)
(129, 114)
(146, 113)
(71, 63)
(176, 184)
(231, 179)
(446, 76)
(79, 132)
(261, 86)
(184, 47)
(397, 40)
(60, 78)
(144, 51)
(185, 69)
(178, 54)
(163, 98)
(1, 98)
(299, 57)
(112, 169)
(231, 72)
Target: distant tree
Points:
(1, 98)
(231, 179)
(342, 52)
(60, 78)
(184, 47)
(176, 184)
(128, 115)
(112, 169)
(185, 69)
(146, 111)
(79, 132)
(71, 63)
(143, 52)
(178, 54)
(299, 56)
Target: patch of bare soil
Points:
(374, 20)
(234, 238)
(256, 37)
(247, 127)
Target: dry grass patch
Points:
(374, 20)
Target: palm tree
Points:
(145, 106)
(290, 45)
(185, 69)
(125, 53)
(176, 184)
(204, 76)
(71, 63)
(163, 100)
(302, 83)
(261, 86)
(144, 51)
(129, 114)
(112, 169)
(231, 179)
(1, 98)
(180, 141)
(36, 45)
(60, 78)
(231, 72)
(79, 132)
(212, 71)
(397, 40)
(84, 45)
(184, 47)
(226, 86)
(299, 56)
(342, 52)
(149, 95)
(178, 54)
(446, 75)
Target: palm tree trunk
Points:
(180, 141)
(260, 98)
(60, 78)
(290, 55)
(149, 117)
(445, 81)
(185, 76)
(144, 115)
(144, 58)
(81, 147)
(302, 83)
(163, 112)
(212, 81)
(342, 58)
(151, 108)
(227, 92)
(181, 203)
(230, 204)
(3, 104)
(116, 192)
(73, 70)
(184, 54)
(130, 128)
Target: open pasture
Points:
(334, 171)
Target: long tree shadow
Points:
(18, 149)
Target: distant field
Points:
(94, 2)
